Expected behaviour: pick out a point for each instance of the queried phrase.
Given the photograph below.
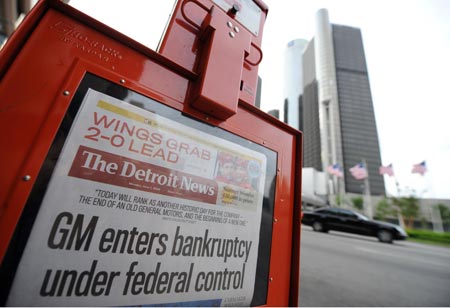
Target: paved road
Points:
(338, 269)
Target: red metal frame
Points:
(191, 22)
(40, 70)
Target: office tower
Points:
(337, 114)
(310, 115)
(258, 93)
(275, 113)
(12, 13)
(293, 89)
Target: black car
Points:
(338, 219)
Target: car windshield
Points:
(360, 216)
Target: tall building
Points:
(293, 89)
(258, 93)
(336, 109)
(275, 113)
(12, 13)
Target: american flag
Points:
(419, 168)
(389, 170)
(335, 170)
(359, 171)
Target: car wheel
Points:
(318, 227)
(384, 236)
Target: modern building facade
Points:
(12, 13)
(293, 89)
(275, 113)
(335, 109)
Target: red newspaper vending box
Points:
(132, 177)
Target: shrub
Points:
(445, 213)
(358, 203)
(384, 209)
(429, 236)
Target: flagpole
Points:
(399, 210)
(337, 192)
(368, 198)
(341, 180)
(436, 218)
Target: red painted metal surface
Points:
(187, 34)
(43, 63)
(221, 65)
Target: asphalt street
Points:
(339, 269)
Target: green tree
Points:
(384, 209)
(409, 208)
(358, 203)
(445, 213)
(338, 200)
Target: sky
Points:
(407, 48)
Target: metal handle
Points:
(260, 55)
(208, 10)
(190, 21)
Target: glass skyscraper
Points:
(336, 111)
(293, 89)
